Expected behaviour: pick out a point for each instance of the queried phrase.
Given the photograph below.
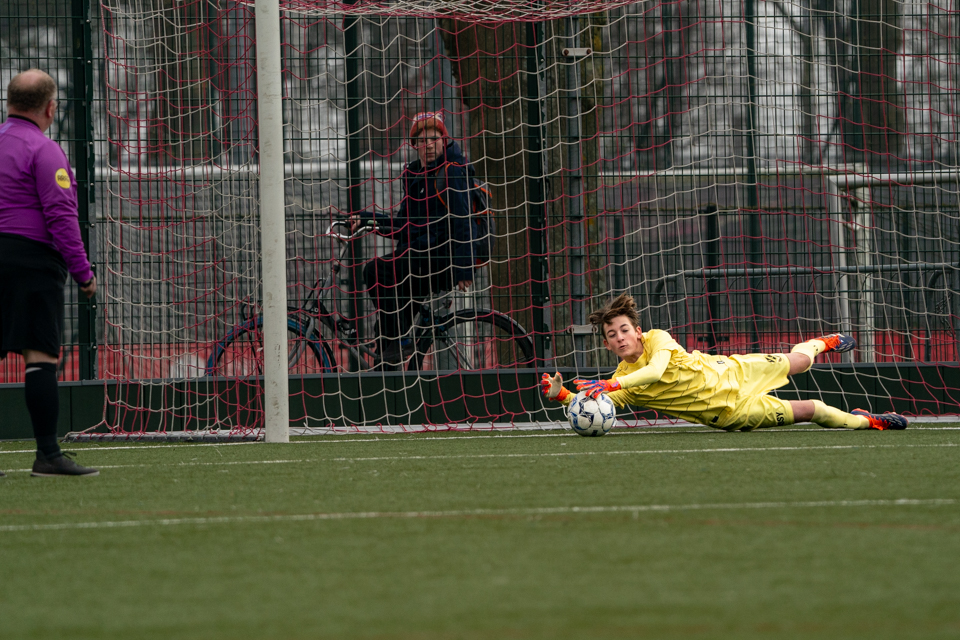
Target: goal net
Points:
(753, 173)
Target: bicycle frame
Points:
(323, 331)
(431, 316)
(317, 313)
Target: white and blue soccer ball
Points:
(591, 416)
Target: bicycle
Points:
(323, 342)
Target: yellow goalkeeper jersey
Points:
(696, 387)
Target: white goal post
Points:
(272, 214)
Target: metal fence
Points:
(701, 198)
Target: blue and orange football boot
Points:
(882, 421)
(838, 342)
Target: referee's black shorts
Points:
(32, 281)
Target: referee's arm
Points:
(57, 189)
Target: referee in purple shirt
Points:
(39, 244)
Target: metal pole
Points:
(752, 193)
(536, 220)
(710, 221)
(83, 166)
(863, 256)
(619, 257)
(272, 223)
(953, 308)
(835, 214)
(351, 43)
(574, 183)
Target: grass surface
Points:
(659, 533)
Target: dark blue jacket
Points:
(431, 221)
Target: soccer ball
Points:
(591, 417)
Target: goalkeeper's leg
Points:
(802, 355)
(764, 411)
(828, 417)
(831, 418)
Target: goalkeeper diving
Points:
(725, 392)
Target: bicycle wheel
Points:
(239, 354)
(473, 339)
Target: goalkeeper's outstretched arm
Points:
(649, 374)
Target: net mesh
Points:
(755, 174)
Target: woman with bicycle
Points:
(433, 231)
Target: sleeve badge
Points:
(63, 178)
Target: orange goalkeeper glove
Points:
(594, 388)
(552, 387)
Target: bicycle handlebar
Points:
(347, 237)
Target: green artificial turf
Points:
(659, 533)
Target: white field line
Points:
(174, 465)
(556, 454)
(565, 454)
(424, 436)
(467, 513)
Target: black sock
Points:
(43, 403)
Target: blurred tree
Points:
(488, 62)
(182, 126)
(862, 43)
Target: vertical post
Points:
(536, 219)
(619, 257)
(752, 193)
(710, 219)
(83, 166)
(272, 222)
(835, 214)
(953, 309)
(864, 257)
(574, 201)
(351, 43)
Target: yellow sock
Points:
(835, 419)
(811, 349)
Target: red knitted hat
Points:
(428, 119)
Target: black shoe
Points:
(62, 465)
(2, 474)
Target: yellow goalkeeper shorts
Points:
(760, 373)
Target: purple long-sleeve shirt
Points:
(38, 193)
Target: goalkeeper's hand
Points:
(552, 387)
(594, 388)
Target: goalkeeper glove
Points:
(552, 387)
(593, 388)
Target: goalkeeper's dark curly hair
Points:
(622, 305)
